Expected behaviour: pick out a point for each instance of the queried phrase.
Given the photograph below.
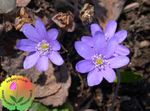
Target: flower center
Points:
(99, 61)
(43, 47)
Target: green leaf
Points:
(64, 107)
(40, 107)
(13, 98)
(20, 99)
(129, 77)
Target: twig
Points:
(116, 91)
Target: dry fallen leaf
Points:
(87, 13)
(24, 16)
(64, 21)
(108, 9)
(22, 3)
(61, 82)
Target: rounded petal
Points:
(99, 41)
(52, 34)
(84, 66)
(42, 64)
(30, 60)
(109, 74)
(56, 58)
(94, 77)
(84, 50)
(31, 33)
(111, 47)
(95, 28)
(110, 29)
(26, 45)
(121, 35)
(55, 45)
(122, 50)
(119, 61)
(88, 40)
(40, 27)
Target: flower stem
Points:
(116, 91)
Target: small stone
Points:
(22, 3)
(89, 110)
(146, 2)
(7, 6)
(144, 44)
(131, 6)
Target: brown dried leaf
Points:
(87, 13)
(24, 16)
(108, 9)
(64, 21)
(8, 26)
(50, 85)
(22, 3)
(60, 86)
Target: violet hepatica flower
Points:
(99, 60)
(109, 32)
(41, 45)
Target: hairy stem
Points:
(116, 91)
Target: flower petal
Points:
(30, 32)
(52, 34)
(30, 60)
(122, 50)
(55, 45)
(84, 50)
(119, 61)
(95, 28)
(94, 77)
(56, 58)
(99, 41)
(84, 66)
(42, 64)
(110, 29)
(109, 74)
(88, 40)
(111, 47)
(121, 35)
(26, 45)
(40, 27)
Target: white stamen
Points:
(43, 47)
(100, 61)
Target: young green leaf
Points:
(38, 107)
(129, 77)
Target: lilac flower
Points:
(41, 45)
(99, 60)
(109, 32)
